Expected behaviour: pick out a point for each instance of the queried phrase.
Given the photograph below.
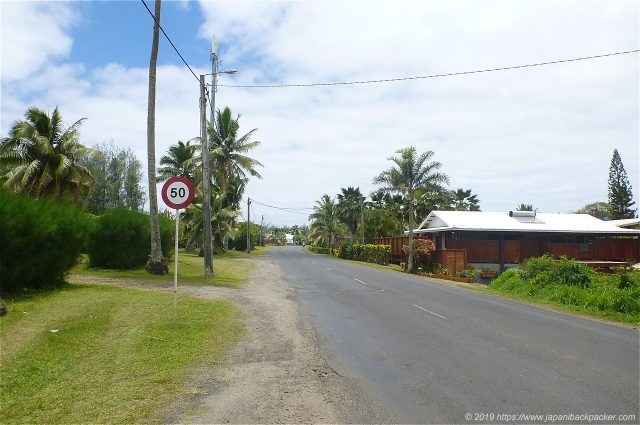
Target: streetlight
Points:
(206, 188)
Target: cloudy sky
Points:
(541, 135)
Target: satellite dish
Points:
(606, 218)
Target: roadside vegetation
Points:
(568, 283)
(105, 354)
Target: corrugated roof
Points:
(501, 221)
(627, 222)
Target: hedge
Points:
(319, 249)
(121, 239)
(379, 254)
(40, 240)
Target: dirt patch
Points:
(276, 374)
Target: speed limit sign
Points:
(177, 192)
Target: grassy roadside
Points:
(230, 269)
(615, 317)
(104, 354)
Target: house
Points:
(289, 238)
(627, 223)
(497, 240)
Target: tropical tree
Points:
(596, 209)
(117, 174)
(620, 192)
(524, 207)
(180, 160)
(157, 263)
(41, 158)
(228, 150)
(221, 219)
(325, 222)
(349, 207)
(411, 173)
(463, 200)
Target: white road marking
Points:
(313, 262)
(382, 290)
(428, 311)
(329, 268)
(358, 280)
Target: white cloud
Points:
(542, 135)
(31, 35)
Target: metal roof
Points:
(503, 222)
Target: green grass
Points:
(116, 357)
(230, 269)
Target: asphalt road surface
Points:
(432, 353)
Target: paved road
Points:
(431, 353)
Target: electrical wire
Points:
(290, 210)
(168, 39)
(451, 74)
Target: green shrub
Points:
(379, 254)
(467, 273)
(571, 283)
(319, 249)
(40, 240)
(240, 240)
(121, 239)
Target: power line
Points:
(171, 42)
(290, 210)
(451, 74)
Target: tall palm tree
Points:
(157, 263)
(229, 163)
(463, 200)
(411, 173)
(41, 158)
(227, 149)
(325, 225)
(180, 160)
(349, 203)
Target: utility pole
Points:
(261, 221)
(248, 225)
(362, 218)
(206, 189)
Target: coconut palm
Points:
(157, 264)
(411, 173)
(349, 205)
(325, 225)
(463, 200)
(41, 158)
(180, 160)
(228, 150)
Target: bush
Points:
(422, 253)
(378, 254)
(571, 283)
(319, 249)
(240, 240)
(121, 239)
(40, 240)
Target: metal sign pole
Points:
(175, 271)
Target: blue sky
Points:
(542, 136)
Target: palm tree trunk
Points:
(410, 251)
(157, 264)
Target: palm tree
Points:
(227, 149)
(228, 159)
(349, 204)
(41, 158)
(325, 224)
(157, 264)
(181, 160)
(524, 207)
(410, 174)
(463, 200)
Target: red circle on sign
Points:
(178, 192)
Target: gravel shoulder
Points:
(276, 374)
